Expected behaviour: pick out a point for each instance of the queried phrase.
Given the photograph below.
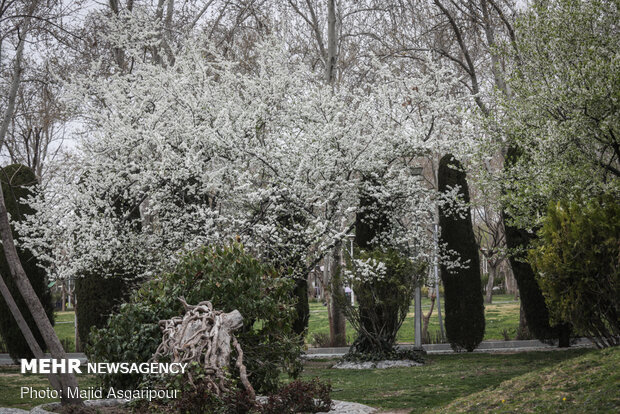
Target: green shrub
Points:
(463, 291)
(18, 181)
(577, 261)
(231, 279)
(383, 302)
(299, 397)
(319, 340)
(196, 396)
(101, 289)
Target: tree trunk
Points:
(337, 321)
(33, 303)
(489, 290)
(330, 63)
(63, 296)
(25, 329)
(426, 319)
(76, 328)
(523, 332)
(300, 324)
(564, 337)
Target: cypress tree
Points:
(290, 261)
(18, 182)
(371, 221)
(534, 306)
(97, 295)
(464, 302)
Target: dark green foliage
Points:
(383, 303)
(372, 220)
(302, 307)
(288, 255)
(462, 287)
(97, 298)
(231, 279)
(532, 300)
(99, 295)
(18, 181)
(577, 263)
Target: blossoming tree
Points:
(210, 149)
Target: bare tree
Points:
(37, 128)
(22, 22)
(491, 239)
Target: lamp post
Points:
(351, 237)
(436, 270)
(418, 318)
(417, 321)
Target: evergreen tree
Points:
(99, 295)
(534, 306)
(464, 302)
(290, 260)
(18, 182)
(382, 303)
(370, 221)
(97, 298)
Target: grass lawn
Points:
(11, 381)
(529, 381)
(501, 315)
(586, 384)
(66, 331)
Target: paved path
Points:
(485, 346)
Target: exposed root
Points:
(204, 335)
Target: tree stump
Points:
(205, 336)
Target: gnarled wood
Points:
(204, 335)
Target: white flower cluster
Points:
(202, 152)
(368, 270)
